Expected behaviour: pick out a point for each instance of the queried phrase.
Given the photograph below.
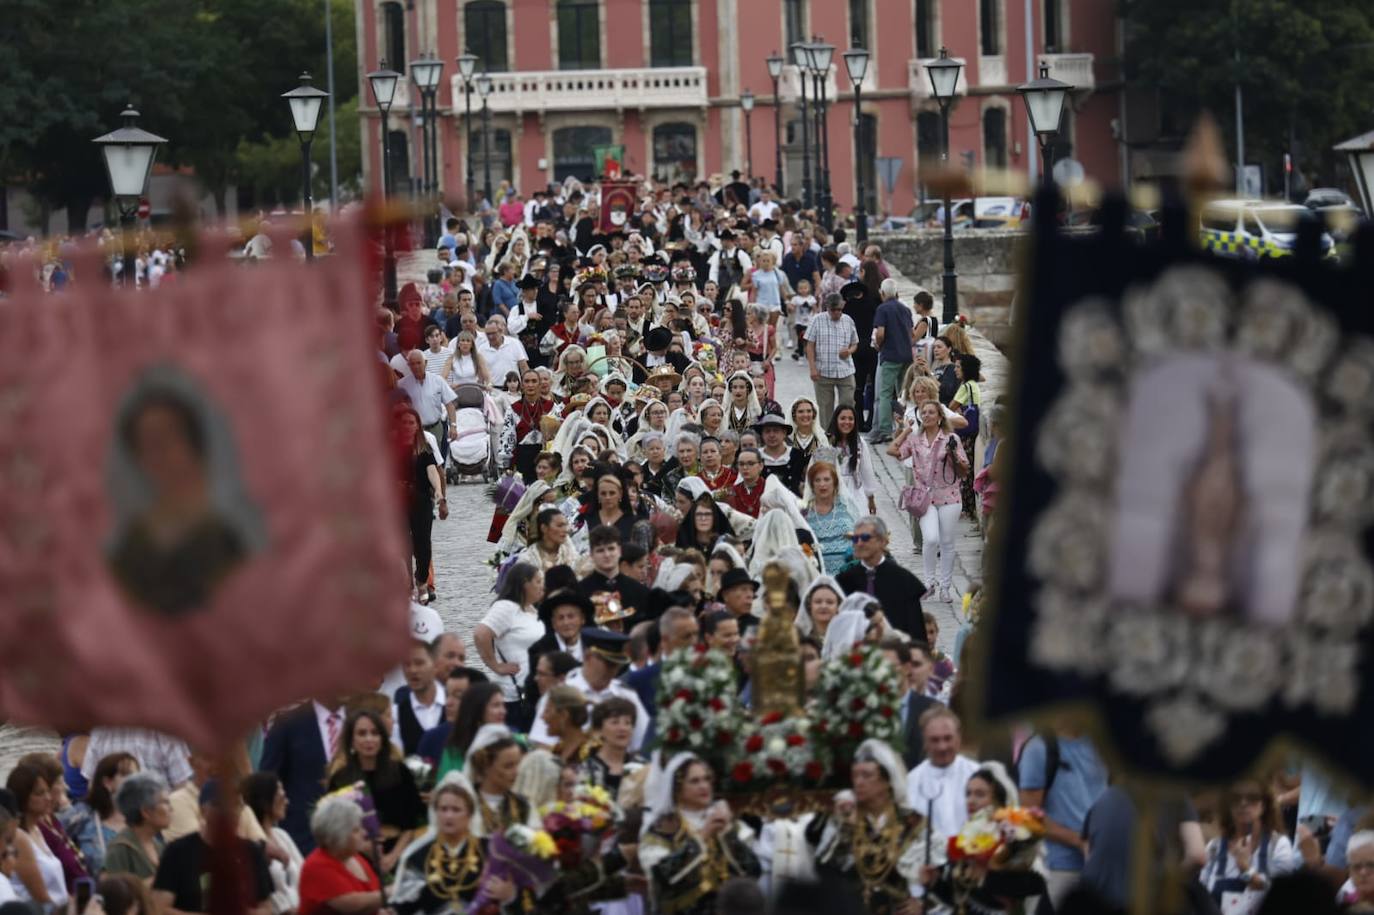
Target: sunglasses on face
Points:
(860, 538)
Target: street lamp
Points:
(775, 62)
(1360, 153)
(484, 90)
(426, 72)
(305, 101)
(467, 68)
(819, 56)
(801, 59)
(944, 80)
(1044, 98)
(746, 102)
(856, 63)
(384, 82)
(129, 153)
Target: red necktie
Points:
(332, 727)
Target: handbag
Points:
(760, 369)
(915, 498)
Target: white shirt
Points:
(501, 362)
(428, 715)
(464, 371)
(515, 630)
(923, 783)
(574, 650)
(539, 732)
(429, 396)
(762, 210)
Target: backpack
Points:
(1052, 763)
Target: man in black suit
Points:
(914, 665)
(297, 748)
(656, 343)
(604, 543)
(876, 573)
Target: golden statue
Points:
(777, 666)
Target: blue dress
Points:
(832, 534)
(766, 288)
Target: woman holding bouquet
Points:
(690, 845)
(874, 840)
(442, 869)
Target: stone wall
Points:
(985, 260)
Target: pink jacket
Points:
(931, 464)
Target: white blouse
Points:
(463, 371)
(516, 629)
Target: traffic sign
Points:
(145, 209)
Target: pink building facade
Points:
(663, 79)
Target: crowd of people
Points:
(619, 390)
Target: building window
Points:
(995, 138)
(574, 150)
(990, 19)
(928, 141)
(670, 33)
(498, 154)
(400, 161)
(926, 42)
(484, 30)
(1053, 32)
(794, 23)
(675, 153)
(579, 35)
(866, 160)
(394, 36)
(858, 24)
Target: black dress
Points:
(395, 797)
(419, 499)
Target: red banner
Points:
(618, 203)
(198, 519)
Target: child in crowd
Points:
(803, 303)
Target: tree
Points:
(1304, 69)
(271, 168)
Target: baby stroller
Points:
(472, 451)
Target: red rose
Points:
(795, 740)
(856, 659)
(886, 711)
(814, 771)
(754, 743)
(700, 647)
(684, 694)
(743, 773)
(856, 729)
(771, 718)
(694, 723)
(777, 766)
(724, 739)
(675, 736)
(882, 689)
(822, 727)
(856, 704)
(716, 705)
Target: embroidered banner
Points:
(1186, 514)
(198, 520)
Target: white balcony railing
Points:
(583, 90)
(789, 85)
(1074, 69)
(918, 80)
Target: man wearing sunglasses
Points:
(878, 574)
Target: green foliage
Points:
(1306, 68)
(206, 74)
(271, 168)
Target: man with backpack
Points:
(1060, 772)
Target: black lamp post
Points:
(384, 82)
(819, 56)
(484, 90)
(856, 62)
(746, 103)
(426, 72)
(944, 80)
(305, 101)
(129, 153)
(1044, 98)
(467, 67)
(802, 61)
(775, 63)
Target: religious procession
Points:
(571, 518)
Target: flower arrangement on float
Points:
(858, 698)
(697, 708)
(779, 748)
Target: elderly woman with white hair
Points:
(872, 838)
(1357, 895)
(690, 843)
(336, 878)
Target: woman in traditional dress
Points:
(493, 761)
(689, 844)
(550, 544)
(873, 840)
(806, 436)
(743, 411)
